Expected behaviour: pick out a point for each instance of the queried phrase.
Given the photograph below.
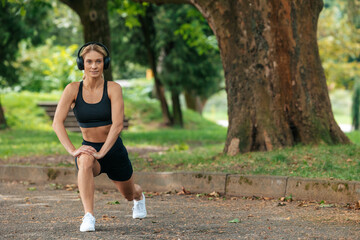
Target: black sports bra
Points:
(93, 114)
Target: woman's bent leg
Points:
(88, 168)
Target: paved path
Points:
(44, 212)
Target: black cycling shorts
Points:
(116, 163)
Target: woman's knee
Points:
(86, 161)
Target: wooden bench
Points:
(70, 123)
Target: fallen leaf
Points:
(214, 194)
(326, 205)
(183, 192)
(357, 205)
(113, 203)
(236, 220)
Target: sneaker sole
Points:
(91, 230)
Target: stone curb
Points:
(227, 184)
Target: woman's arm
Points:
(117, 117)
(67, 98)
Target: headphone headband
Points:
(80, 60)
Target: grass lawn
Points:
(197, 147)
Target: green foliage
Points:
(47, 67)
(20, 20)
(190, 59)
(197, 33)
(22, 112)
(128, 40)
(66, 26)
(190, 63)
(129, 11)
(338, 40)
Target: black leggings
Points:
(115, 163)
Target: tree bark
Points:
(148, 29)
(276, 87)
(178, 119)
(94, 18)
(2, 118)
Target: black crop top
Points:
(93, 114)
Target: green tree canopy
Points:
(20, 20)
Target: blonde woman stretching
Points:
(99, 108)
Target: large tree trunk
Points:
(2, 118)
(94, 18)
(276, 87)
(148, 29)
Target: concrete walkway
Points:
(225, 184)
(43, 211)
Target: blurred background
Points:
(169, 46)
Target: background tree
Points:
(340, 53)
(19, 21)
(192, 63)
(189, 62)
(276, 87)
(339, 44)
(94, 18)
(134, 23)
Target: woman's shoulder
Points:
(114, 89)
(72, 87)
(114, 86)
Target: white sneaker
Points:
(88, 224)
(139, 209)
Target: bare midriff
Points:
(96, 134)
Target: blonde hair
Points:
(93, 47)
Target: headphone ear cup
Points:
(80, 63)
(106, 62)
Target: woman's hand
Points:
(97, 155)
(83, 149)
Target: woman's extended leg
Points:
(88, 168)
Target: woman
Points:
(99, 108)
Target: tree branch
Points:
(74, 5)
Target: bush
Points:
(47, 67)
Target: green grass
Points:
(21, 111)
(197, 147)
(341, 162)
(22, 143)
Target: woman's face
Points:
(93, 64)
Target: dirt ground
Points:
(30, 211)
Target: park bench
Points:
(70, 123)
